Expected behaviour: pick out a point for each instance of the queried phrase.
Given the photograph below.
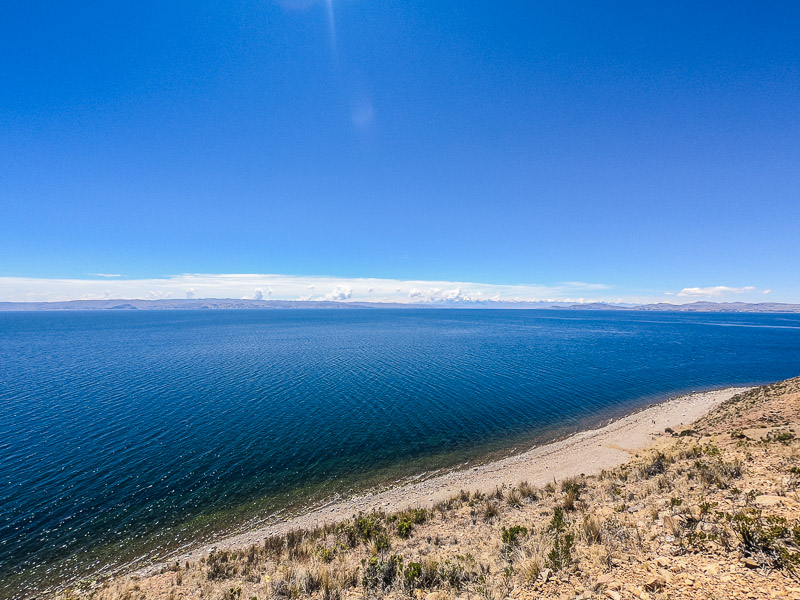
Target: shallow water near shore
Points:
(130, 434)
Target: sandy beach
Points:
(587, 453)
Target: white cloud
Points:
(157, 294)
(713, 292)
(104, 274)
(339, 293)
(766, 292)
(293, 287)
(451, 296)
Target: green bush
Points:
(404, 528)
(769, 539)
(380, 574)
(412, 574)
(511, 535)
(560, 556)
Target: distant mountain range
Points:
(230, 304)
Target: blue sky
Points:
(611, 151)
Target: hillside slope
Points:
(708, 512)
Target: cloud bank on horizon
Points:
(340, 289)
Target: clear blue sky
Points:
(649, 147)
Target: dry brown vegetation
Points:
(710, 512)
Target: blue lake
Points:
(128, 434)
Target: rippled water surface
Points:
(127, 434)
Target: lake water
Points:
(127, 434)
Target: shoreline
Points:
(586, 452)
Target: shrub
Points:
(412, 574)
(489, 510)
(560, 556)
(657, 466)
(417, 515)
(514, 497)
(379, 543)
(380, 574)
(779, 436)
(233, 593)
(591, 529)
(324, 554)
(404, 528)
(717, 472)
(218, 566)
(572, 493)
(273, 544)
(368, 526)
(526, 490)
(768, 538)
(511, 535)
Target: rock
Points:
(613, 595)
(654, 583)
(603, 579)
(545, 575)
(711, 569)
(665, 575)
(769, 500)
(434, 596)
(662, 562)
(750, 563)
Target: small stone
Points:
(654, 583)
(545, 575)
(750, 563)
(433, 596)
(710, 569)
(603, 579)
(662, 562)
(613, 595)
(642, 595)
